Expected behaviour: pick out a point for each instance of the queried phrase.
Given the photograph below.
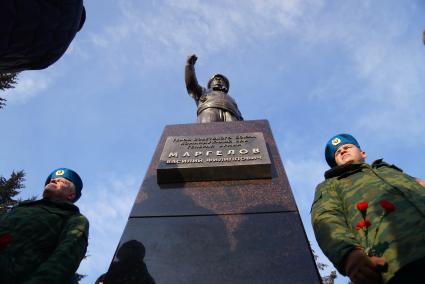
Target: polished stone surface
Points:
(247, 248)
(237, 231)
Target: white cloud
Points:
(304, 176)
(394, 85)
(29, 84)
(381, 83)
(200, 26)
(107, 206)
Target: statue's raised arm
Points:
(214, 104)
(192, 86)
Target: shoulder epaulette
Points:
(380, 163)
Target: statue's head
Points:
(219, 82)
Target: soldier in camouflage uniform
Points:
(369, 219)
(44, 241)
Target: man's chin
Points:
(48, 192)
(351, 161)
(46, 195)
(345, 163)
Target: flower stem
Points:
(377, 229)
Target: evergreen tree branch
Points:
(7, 81)
(9, 188)
(2, 104)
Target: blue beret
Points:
(334, 143)
(69, 175)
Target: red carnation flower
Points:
(362, 206)
(387, 205)
(362, 224)
(5, 240)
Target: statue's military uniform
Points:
(217, 106)
(213, 105)
(45, 242)
(401, 236)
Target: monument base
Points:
(229, 231)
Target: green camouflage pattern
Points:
(401, 235)
(48, 242)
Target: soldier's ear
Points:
(71, 195)
(363, 154)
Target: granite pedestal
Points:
(216, 231)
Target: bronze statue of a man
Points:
(214, 104)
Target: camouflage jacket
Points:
(46, 242)
(399, 238)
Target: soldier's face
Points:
(59, 189)
(349, 153)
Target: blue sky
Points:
(312, 68)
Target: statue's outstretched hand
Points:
(191, 60)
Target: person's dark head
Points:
(63, 184)
(343, 149)
(219, 82)
(131, 251)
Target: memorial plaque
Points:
(214, 157)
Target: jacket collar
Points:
(59, 204)
(348, 169)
